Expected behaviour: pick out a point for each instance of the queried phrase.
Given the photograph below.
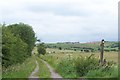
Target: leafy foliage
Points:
(84, 64)
(16, 45)
(41, 48)
(77, 67)
(67, 66)
(26, 34)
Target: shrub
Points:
(66, 68)
(41, 48)
(72, 68)
(60, 48)
(84, 64)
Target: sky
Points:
(65, 20)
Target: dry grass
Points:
(109, 56)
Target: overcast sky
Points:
(64, 20)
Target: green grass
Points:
(111, 73)
(20, 70)
(60, 62)
(43, 69)
(0, 71)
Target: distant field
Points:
(110, 56)
(90, 47)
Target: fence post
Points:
(102, 51)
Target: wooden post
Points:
(102, 51)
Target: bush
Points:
(72, 68)
(84, 64)
(60, 48)
(41, 48)
(67, 68)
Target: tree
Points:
(17, 43)
(41, 48)
(14, 50)
(26, 33)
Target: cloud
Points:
(64, 20)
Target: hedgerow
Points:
(17, 43)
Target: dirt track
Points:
(36, 70)
(53, 73)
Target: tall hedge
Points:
(25, 32)
(17, 43)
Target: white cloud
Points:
(64, 20)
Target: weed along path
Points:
(53, 73)
(36, 70)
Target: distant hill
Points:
(92, 46)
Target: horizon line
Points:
(75, 41)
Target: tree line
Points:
(17, 43)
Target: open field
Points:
(110, 56)
(71, 64)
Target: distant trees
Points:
(41, 48)
(17, 43)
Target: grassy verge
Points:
(43, 69)
(20, 70)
